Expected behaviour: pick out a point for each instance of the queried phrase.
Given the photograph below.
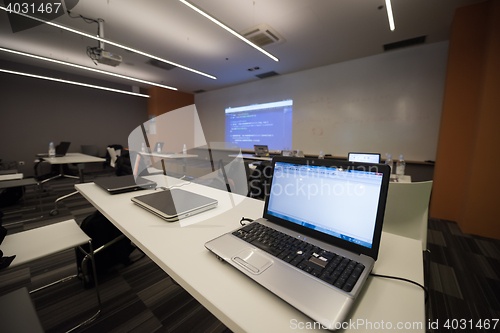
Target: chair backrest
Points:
(112, 155)
(406, 212)
(91, 150)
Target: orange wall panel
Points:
(481, 214)
(464, 189)
(163, 100)
(460, 109)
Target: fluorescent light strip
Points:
(222, 25)
(83, 67)
(111, 43)
(73, 82)
(389, 14)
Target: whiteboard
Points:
(387, 103)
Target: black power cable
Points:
(245, 219)
(86, 19)
(93, 53)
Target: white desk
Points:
(11, 176)
(170, 156)
(75, 158)
(253, 157)
(241, 304)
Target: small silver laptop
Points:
(319, 237)
(174, 204)
(364, 157)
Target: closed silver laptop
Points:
(174, 204)
(123, 184)
(318, 238)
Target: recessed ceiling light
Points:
(389, 14)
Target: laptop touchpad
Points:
(252, 261)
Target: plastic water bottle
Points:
(184, 150)
(143, 148)
(400, 166)
(52, 150)
(389, 161)
(321, 157)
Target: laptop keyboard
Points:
(336, 270)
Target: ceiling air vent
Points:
(267, 74)
(160, 64)
(262, 35)
(199, 91)
(405, 43)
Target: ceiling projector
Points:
(108, 58)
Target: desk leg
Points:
(61, 174)
(80, 172)
(55, 211)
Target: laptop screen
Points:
(364, 157)
(337, 202)
(261, 150)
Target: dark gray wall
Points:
(34, 112)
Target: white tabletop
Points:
(11, 176)
(253, 157)
(173, 156)
(241, 304)
(73, 158)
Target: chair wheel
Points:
(54, 212)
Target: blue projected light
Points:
(260, 124)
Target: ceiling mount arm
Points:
(100, 32)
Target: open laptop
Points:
(319, 236)
(61, 150)
(117, 185)
(261, 150)
(158, 147)
(364, 157)
(174, 204)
